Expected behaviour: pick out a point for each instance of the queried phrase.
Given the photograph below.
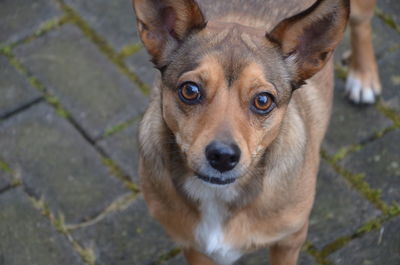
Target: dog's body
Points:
(218, 210)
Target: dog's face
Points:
(225, 103)
(226, 87)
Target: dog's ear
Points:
(308, 39)
(162, 24)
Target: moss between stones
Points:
(52, 100)
(87, 255)
(387, 19)
(389, 113)
(341, 71)
(358, 183)
(168, 256)
(102, 44)
(362, 230)
(311, 250)
(117, 172)
(129, 50)
(5, 167)
(120, 127)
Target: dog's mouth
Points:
(216, 181)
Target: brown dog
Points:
(230, 142)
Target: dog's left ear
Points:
(308, 39)
(163, 24)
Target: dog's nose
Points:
(223, 157)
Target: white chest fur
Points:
(209, 232)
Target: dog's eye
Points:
(263, 103)
(190, 93)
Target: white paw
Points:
(361, 92)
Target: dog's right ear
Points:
(309, 38)
(163, 24)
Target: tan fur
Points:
(363, 64)
(232, 60)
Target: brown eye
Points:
(263, 103)
(190, 93)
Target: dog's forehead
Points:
(234, 49)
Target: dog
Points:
(229, 145)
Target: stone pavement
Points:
(75, 80)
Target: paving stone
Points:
(351, 124)
(127, 237)
(122, 147)
(381, 246)
(19, 18)
(15, 90)
(380, 162)
(88, 85)
(57, 163)
(390, 78)
(140, 64)
(27, 237)
(5, 180)
(338, 209)
(261, 257)
(392, 8)
(114, 20)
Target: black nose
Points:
(223, 157)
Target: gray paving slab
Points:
(351, 124)
(87, 83)
(261, 257)
(140, 64)
(20, 18)
(113, 20)
(122, 147)
(5, 180)
(27, 237)
(392, 8)
(381, 246)
(127, 237)
(380, 162)
(57, 163)
(15, 90)
(390, 77)
(338, 209)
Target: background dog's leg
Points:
(194, 257)
(363, 84)
(286, 252)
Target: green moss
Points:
(389, 113)
(5, 167)
(117, 172)
(5, 50)
(167, 256)
(312, 251)
(103, 46)
(341, 71)
(120, 127)
(129, 50)
(87, 254)
(358, 183)
(387, 19)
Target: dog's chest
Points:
(210, 233)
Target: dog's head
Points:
(226, 87)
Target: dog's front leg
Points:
(286, 252)
(363, 84)
(194, 257)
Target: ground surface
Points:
(74, 81)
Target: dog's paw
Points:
(363, 88)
